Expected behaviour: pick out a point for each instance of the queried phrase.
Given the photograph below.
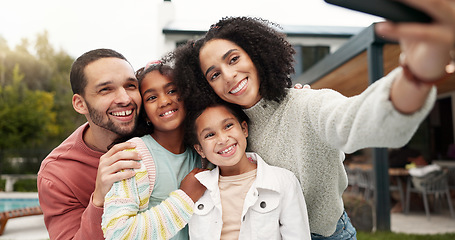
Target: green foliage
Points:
(23, 185)
(26, 114)
(401, 236)
(26, 185)
(2, 184)
(35, 102)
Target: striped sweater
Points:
(126, 208)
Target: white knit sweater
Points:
(310, 130)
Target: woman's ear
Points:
(79, 104)
(244, 128)
(198, 149)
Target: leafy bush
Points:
(401, 236)
(26, 185)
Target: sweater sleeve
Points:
(365, 120)
(127, 216)
(67, 219)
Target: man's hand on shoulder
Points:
(115, 165)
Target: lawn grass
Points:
(400, 236)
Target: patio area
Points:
(33, 228)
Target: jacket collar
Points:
(265, 176)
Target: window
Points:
(307, 56)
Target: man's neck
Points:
(98, 139)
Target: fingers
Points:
(420, 32)
(115, 165)
(191, 186)
(300, 86)
(198, 170)
(113, 177)
(122, 153)
(441, 30)
(119, 147)
(118, 167)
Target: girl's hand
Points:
(191, 186)
(300, 86)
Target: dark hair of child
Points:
(268, 48)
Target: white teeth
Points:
(168, 112)
(122, 113)
(238, 88)
(227, 149)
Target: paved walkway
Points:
(417, 223)
(33, 228)
(25, 228)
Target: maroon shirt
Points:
(66, 181)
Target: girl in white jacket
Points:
(245, 198)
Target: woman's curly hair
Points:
(268, 48)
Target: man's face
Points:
(112, 96)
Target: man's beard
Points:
(119, 129)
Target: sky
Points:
(128, 25)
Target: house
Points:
(348, 59)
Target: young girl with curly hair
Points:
(246, 198)
(248, 62)
(157, 202)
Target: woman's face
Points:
(230, 72)
(162, 102)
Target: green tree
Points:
(58, 65)
(27, 116)
(35, 100)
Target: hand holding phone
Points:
(389, 9)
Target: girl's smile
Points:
(222, 140)
(162, 103)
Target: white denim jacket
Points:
(283, 216)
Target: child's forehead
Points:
(219, 111)
(214, 114)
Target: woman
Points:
(247, 62)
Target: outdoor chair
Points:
(434, 183)
(21, 212)
(365, 181)
(352, 179)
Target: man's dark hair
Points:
(77, 76)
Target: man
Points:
(75, 177)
